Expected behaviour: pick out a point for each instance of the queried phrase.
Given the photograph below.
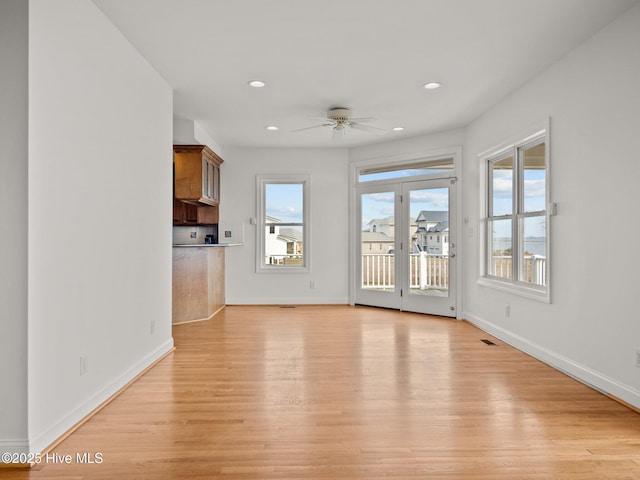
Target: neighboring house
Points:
(293, 240)
(383, 225)
(281, 241)
(387, 226)
(432, 234)
(376, 242)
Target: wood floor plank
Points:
(337, 392)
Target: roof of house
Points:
(388, 221)
(290, 234)
(440, 227)
(383, 221)
(433, 216)
(376, 237)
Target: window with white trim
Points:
(516, 224)
(283, 223)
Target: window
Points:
(283, 223)
(516, 253)
(411, 169)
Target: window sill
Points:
(283, 269)
(521, 289)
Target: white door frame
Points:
(416, 300)
(390, 161)
(378, 298)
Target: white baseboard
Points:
(582, 373)
(40, 442)
(14, 445)
(287, 301)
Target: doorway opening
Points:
(406, 238)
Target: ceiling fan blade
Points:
(368, 129)
(363, 119)
(311, 127)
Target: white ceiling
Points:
(372, 56)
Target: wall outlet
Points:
(312, 284)
(507, 310)
(152, 326)
(84, 365)
(194, 234)
(638, 358)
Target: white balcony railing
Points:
(534, 268)
(432, 271)
(290, 259)
(427, 271)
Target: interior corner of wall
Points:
(205, 139)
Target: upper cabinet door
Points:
(197, 174)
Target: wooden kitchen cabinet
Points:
(197, 174)
(190, 214)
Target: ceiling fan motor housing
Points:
(339, 114)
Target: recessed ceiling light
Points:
(272, 128)
(431, 85)
(257, 83)
(397, 129)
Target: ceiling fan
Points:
(339, 119)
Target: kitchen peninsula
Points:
(198, 281)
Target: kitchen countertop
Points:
(207, 245)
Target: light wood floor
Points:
(350, 393)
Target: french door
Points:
(406, 246)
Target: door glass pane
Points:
(210, 180)
(377, 223)
(533, 245)
(429, 242)
(501, 187)
(534, 173)
(501, 248)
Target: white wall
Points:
(329, 235)
(100, 174)
(591, 96)
(14, 16)
(408, 147)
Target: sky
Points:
(284, 201)
(534, 201)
